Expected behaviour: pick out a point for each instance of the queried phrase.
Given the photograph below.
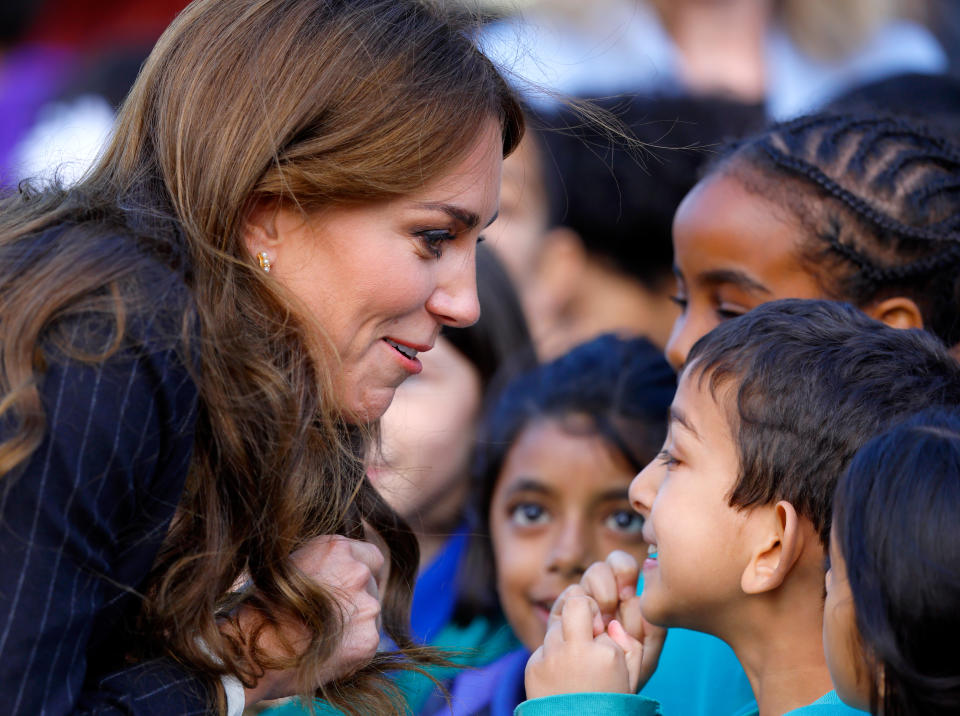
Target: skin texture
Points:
(397, 269)
(427, 437)
(841, 639)
(560, 504)
(733, 250)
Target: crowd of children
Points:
(628, 542)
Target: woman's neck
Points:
(721, 45)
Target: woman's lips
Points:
(407, 359)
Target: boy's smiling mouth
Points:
(651, 561)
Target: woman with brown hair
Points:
(197, 340)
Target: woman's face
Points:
(841, 638)
(381, 278)
(428, 433)
(559, 505)
(733, 250)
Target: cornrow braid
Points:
(880, 195)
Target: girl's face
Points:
(733, 250)
(842, 644)
(381, 278)
(428, 433)
(559, 504)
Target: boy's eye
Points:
(666, 458)
(433, 240)
(625, 521)
(528, 513)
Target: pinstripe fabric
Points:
(80, 526)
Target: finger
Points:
(632, 651)
(626, 572)
(367, 553)
(574, 590)
(630, 616)
(578, 620)
(600, 583)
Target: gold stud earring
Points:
(263, 258)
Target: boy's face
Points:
(841, 638)
(733, 250)
(560, 504)
(701, 549)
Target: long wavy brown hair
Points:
(308, 102)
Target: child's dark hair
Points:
(622, 204)
(813, 381)
(897, 516)
(623, 385)
(879, 197)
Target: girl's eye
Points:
(527, 514)
(666, 458)
(680, 301)
(626, 521)
(433, 239)
(725, 314)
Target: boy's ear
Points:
(896, 312)
(776, 552)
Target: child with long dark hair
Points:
(891, 621)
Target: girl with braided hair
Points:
(861, 208)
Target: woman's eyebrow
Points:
(734, 277)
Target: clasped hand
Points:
(597, 639)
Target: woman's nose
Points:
(454, 300)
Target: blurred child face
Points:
(733, 250)
(841, 639)
(560, 504)
(428, 433)
(698, 538)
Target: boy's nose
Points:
(643, 488)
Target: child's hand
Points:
(576, 658)
(612, 584)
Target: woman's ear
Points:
(780, 544)
(260, 232)
(896, 312)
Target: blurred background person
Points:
(584, 224)
(66, 67)
(792, 55)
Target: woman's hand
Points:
(351, 570)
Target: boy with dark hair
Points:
(770, 409)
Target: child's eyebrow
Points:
(734, 277)
(528, 484)
(676, 415)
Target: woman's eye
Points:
(625, 521)
(527, 514)
(433, 239)
(680, 301)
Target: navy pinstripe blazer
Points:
(81, 523)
